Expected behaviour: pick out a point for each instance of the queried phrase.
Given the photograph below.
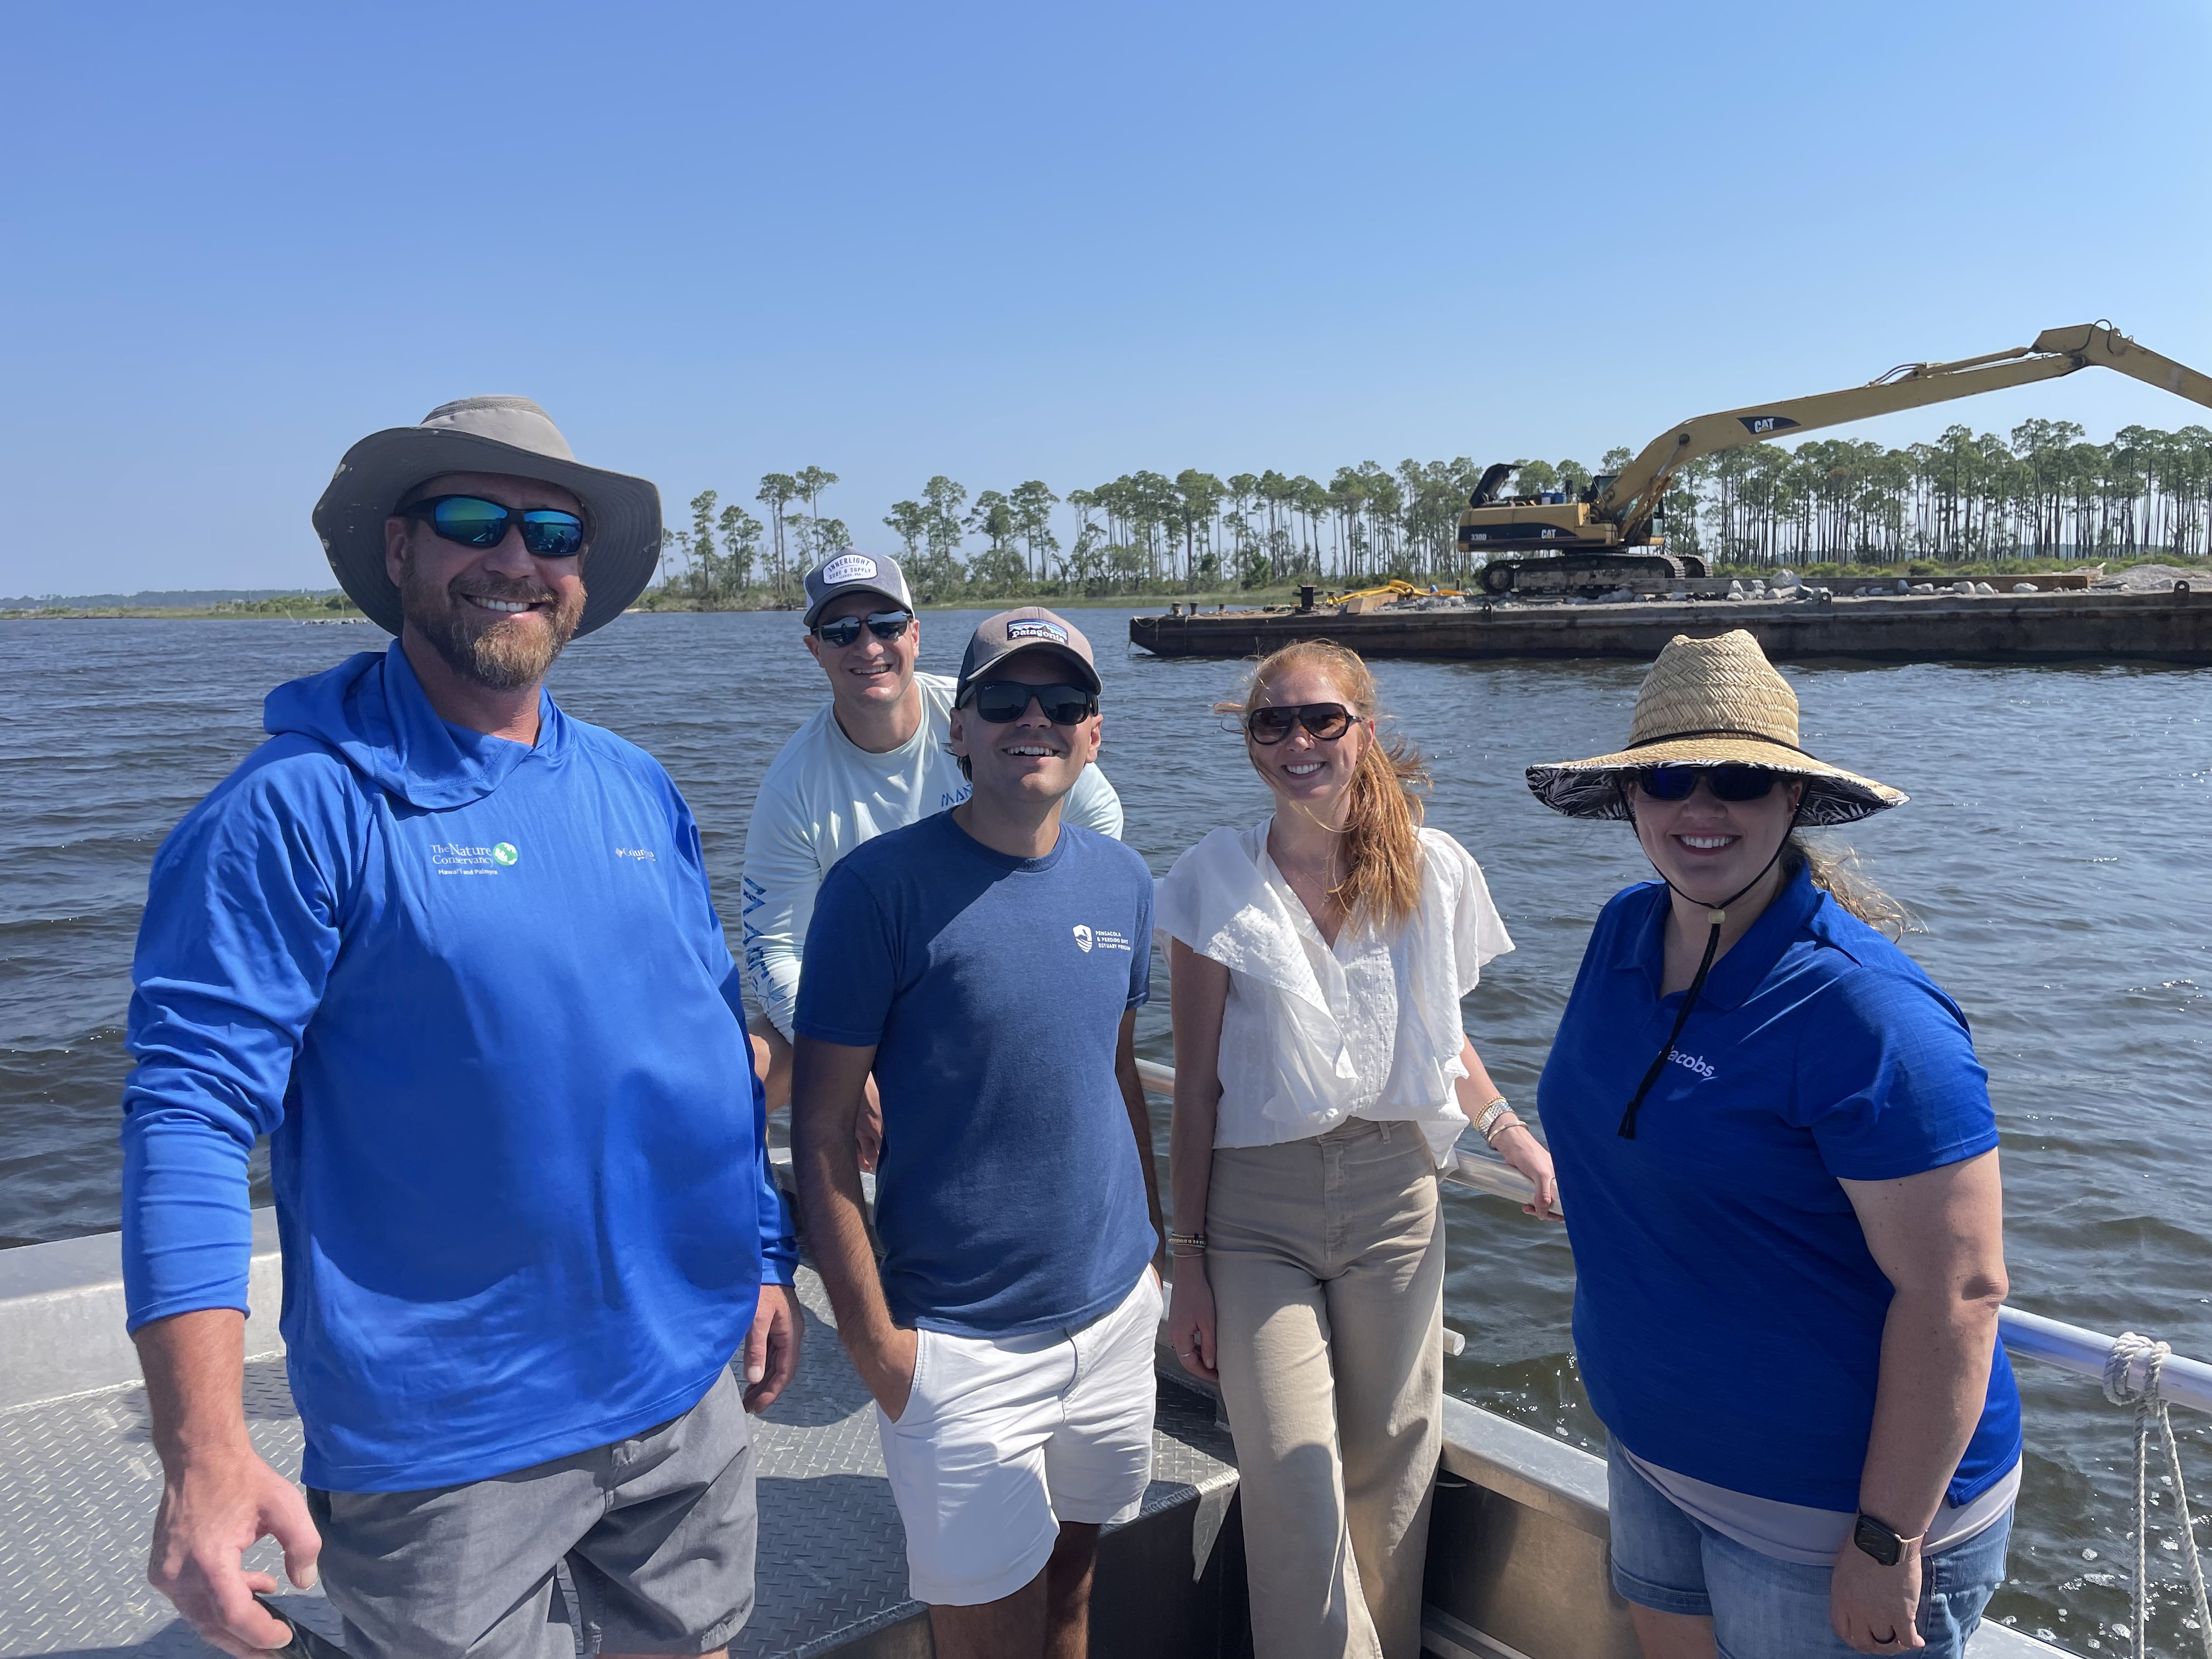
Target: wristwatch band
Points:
(1491, 1114)
(1880, 1539)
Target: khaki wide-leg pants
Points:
(1327, 1260)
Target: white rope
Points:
(2121, 1389)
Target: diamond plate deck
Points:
(79, 1485)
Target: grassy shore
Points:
(317, 607)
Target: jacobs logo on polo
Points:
(1697, 1063)
(504, 852)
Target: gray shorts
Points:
(648, 1544)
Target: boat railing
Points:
(2027, 1335)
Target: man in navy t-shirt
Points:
(986, 963)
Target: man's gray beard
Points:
(497, 658)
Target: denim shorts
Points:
(1765, 1608)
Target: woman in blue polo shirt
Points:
(1779, 1167)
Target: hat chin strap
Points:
(1716, 915)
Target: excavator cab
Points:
(1548, 546)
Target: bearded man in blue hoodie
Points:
(455, 954)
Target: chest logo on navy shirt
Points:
(453, 858)
(1697, 1063)
(1088, 939)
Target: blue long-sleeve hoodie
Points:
(477, 995)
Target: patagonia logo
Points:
(848, 568)
(1036, 628)
(1691, 1062)
(1088, 939)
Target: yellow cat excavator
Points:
(1546, 545)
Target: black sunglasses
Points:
(1736, 783)
(884, 624)
(1327, 721)
(474, 522)
(1004, 702)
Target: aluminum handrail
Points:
(2027, 1335)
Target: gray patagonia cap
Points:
(854, 572)
(1032, 627)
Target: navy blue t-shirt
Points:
(1009, 1196)
(1728, 1313)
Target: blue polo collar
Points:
(1736, 976)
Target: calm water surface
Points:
(2055, 848)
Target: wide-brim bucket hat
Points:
(513, 436)
(1711, 702)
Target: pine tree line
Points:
(2045, 493)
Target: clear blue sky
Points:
(1004, 241)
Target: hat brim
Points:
(1594, 789)
(624, 514)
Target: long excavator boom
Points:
(1635, 493)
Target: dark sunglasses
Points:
(884, 624)
(474, 522)
(1327, 721)
(1737, 783)
(1004, 702)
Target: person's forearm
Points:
(1936, 1354)
(195, 1366)
(1475, 1090)
(1140, 1126)
(1191, 1151)
(829, 1200)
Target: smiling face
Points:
(869, 673)
(1304, 770)
(1710, 848)
(1029, 760)
(498, 616)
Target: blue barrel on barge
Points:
(2173, 627)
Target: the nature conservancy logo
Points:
(1088, 939)
(454, 858)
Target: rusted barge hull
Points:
(2167, 628)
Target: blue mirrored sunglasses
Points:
(474, 522)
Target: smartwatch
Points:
(1880, 1540)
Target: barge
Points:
(2079, 626)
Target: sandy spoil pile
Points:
(2152, 579)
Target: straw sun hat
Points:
(1711, 702)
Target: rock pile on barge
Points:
(1943, 620)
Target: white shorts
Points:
(1003, 1438)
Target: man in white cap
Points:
(986, 963)
(454, 953)
(872, 758)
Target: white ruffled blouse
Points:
(1313, 1033)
